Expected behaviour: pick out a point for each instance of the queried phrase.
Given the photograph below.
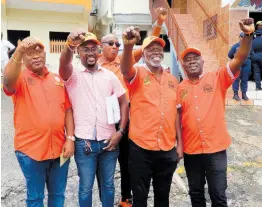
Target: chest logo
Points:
(183, 94)
(30, 81)
(207, 88)
(147, 80)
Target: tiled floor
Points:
(254, 96)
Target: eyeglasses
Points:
(33, 52)
(111, 43)
(87, 50)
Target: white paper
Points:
(113, 109)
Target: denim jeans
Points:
(39, 173)
(87, 165)
(211, 167)
(243, 77)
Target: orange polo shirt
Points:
(39, 115)
(203, 112)
(153, 109)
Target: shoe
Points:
(126, 203)
(236, 97)
(259, 89)
(244, 96)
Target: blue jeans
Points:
(243, 77)
(87, 165)
(39, 173)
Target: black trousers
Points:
(210, 167)
(145, 165)
(123, 163)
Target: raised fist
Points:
(247, 25)
(161, 13)
(29, 42)
(131, 35)
(76, 37)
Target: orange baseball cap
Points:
(147, 41)
(189, 50)
(91, 37)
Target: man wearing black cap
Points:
(244, 74)
(257, 58)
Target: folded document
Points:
(113, 109)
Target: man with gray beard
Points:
(155, 134)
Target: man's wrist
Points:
(72, 138)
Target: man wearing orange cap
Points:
(42, 114)
(96, 146)
(205, 136)
(154, 120)
(111, 61)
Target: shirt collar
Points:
(102, 60)
(145, 66)
(84, 69)
(34, 74)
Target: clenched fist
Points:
(76, 37)
(161, 13)
(131, 36)
(29, 42)
(247, 25)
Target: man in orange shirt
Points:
(205, 136)
(111, 61)
(154, 120)
(42, 113)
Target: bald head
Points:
(109, 37)
(110, 47)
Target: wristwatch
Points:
(71, 137)
(121, 130)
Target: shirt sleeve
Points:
(67, 101)
(72, 79)
(118, 88)
(226, 77)
(132, 84)
(178, 101)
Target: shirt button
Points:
(195, 96)
(161, 99)
(201, 131)
(198, 119)
(158, 140)
(197, 107)
(160, 127)
(162, 113)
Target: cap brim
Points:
(91, 40)
(159, 40)
(190, 50)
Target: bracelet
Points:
(69, 46)
(15, 61)
(249, 34)
(158, 25)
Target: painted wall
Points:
(131, 6)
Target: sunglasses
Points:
(111, 43)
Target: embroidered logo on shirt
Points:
(171, 84)
(183, 94)
(30, 81)
(207, 88)
(147, 80)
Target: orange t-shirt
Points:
(153, 109)
(203, 112)
(39, 115)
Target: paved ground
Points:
(244, 170)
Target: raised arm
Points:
(73, 40)
(247, 26)
(13, 68)
(161, 16)
(130, 37)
